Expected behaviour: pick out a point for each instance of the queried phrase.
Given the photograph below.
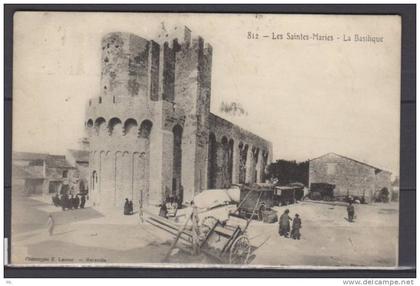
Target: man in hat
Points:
(296, 226)
(284, 224)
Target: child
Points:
(50, 224)
(350, 212)
(296, 226)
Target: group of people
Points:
(284, 225)
(69, 203)
(128, 207)
(173, 201)
(284, 222)
(170, 203)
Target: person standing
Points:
(163, 211)
(130, 207)
(296, 226)
(82, 201)
(64, 201)
(56, 200)
(50, 224)
(179, 202)
(70, 203)
(76, 202)
(126, 207)
(350, 211)
(141, 212)
(284, 224)
(180, 196)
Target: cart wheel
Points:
(240, 250)
(207, 224)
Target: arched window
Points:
(224, 167)
(145, 129)
(89, 123)
(100, 126)
(94, 180)
(230, 160)
(115, 126)
(243, 152)
(177, 162)
(89, 127)
(211, 167)
(255, 153)
(130, 127)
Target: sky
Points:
(307, 97)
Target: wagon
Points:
(255, 199)
(229, 242)
(285, 195)
(225, 242)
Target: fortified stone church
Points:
(151, 131)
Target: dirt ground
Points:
(328, 239)
(90, 236)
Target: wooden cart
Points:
(285, 195)
(227, 243)
(230, 242)
(254, 200)
(223, 240)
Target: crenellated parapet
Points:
(127, 64)
(136, 67)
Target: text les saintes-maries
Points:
(361, 38)
(290, 36)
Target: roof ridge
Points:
(354, 160)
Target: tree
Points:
(286, 172)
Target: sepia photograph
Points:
(205, 140)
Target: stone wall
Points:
(383, 180)
(241, 156)
(126, 63)
(349, 176)
(150, 126)
(121, 130)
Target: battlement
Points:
(180, 36)
(136, 67)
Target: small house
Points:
(350, 177)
